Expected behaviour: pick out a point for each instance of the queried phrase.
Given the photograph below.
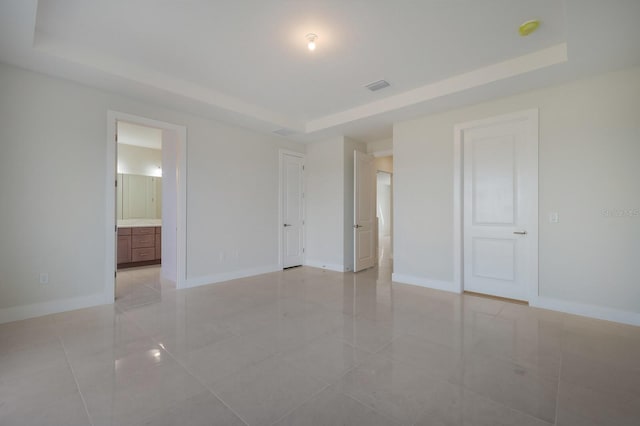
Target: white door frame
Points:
(530, 116)
(181, 164)
(281, 154)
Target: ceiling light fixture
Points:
(528, 27)
(311, 41)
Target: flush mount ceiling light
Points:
(528, 27)
(311, 41)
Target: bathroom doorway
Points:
(138, 213)
(146, 240)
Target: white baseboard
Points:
(592, 311)
(424, 282)
(323, 265)
(17, 313)
(227, 276)
(582, 309)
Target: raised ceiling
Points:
(246, 61)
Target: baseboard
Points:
(227, 276)
(323, 265)
(582, 309)
(17, 313)
(586, 310)
(424, 282)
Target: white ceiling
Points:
(246, 61)
(136, 135)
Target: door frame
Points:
(181, 169)
(531, 116)
(281, 154)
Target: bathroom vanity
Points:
(139, 244)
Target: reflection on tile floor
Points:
(313, 347)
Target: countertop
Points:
(138, 223)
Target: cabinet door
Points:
(158, 247)
(124, 249)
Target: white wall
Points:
(169, 240)
(588, 159)
(329, 203)
(136, 160)
(325, 204)
(53, 134)
(380, 145)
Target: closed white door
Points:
(364, 212)
(292, 210)
(500, 208)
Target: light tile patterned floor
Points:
(313, 347)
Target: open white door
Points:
(292, 210)
(364, 212)
(500, 208)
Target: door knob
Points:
(357, 226)
(287, 224)
(520, 232)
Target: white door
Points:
(500, 208)
(292, 210)
(364, 212)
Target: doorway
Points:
(169, 202)
(496, 206)
(138, 213)
(384, 214)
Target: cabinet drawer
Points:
(143, 231)
(142, 254)
(143, 241)
(124, 231)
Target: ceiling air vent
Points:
(284, 132)
(377, 85)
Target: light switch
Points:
(553, 217)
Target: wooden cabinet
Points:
(138, 246)
(143, 241)
(124, 249)
(158, 242)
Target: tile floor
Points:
(313, 347)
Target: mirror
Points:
(139, 197)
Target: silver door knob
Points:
(520, 232)
(287, 224)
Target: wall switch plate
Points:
(44, 278)
(553, 217)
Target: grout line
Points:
(192, 374)
(301, 404)
(75, 379)
(559, 378)
(507, 407)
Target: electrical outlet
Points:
(44, 278)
